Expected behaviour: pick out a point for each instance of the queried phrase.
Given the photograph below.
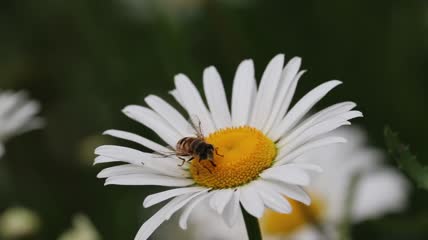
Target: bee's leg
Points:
(190, 159)
(182, 163)
(209, 170)
(216, 152)
(212, 163)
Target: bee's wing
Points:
(195, 122)
(170, 153)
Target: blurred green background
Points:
(86, 60)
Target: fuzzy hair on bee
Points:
(196, 147)
(191, 147)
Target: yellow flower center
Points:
(242, 154)
(274, 223)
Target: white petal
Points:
(153, 121)
(288, 155)
(379, 192)
(286, 90)
(243, 89)
(137, 139)
(326, 113)
(21, 116)
(216, 98)
(9, 100)
(169, 114)
(301, 108)
(232, 209)
(122, 170)
(186, 213)
(124, 154)
(287, 101)
(148, 179)
(335, 110)
(177, 97)
(166, 166)
(266, 93)
(311, 133)
(103, 159)
(220, 198)
(158, 218)
(307, 166)
(178, 206)
(288, 190)
(288, 174)
(193, 102)
(31, 124)
(165, 195)
(272, 199)
(251, 200)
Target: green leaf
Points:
(405, 159)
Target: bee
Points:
(196, 147)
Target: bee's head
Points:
(210, 150)
(207, 152)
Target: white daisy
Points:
(380, 190)
(17, 115)
(259, 140)
(82, 229)
(18, 222)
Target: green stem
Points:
(252, 225)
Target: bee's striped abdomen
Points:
(187, 145)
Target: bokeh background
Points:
(86, 60)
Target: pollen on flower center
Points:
(243, 153)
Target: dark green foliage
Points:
(86, 60)
(405, 159)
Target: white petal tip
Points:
(210, 69)
(335, 82)
(126, 110)
(108, 132)
(150, 98)
(98, 150)
(296, 60)
(180, 77)
(246, 63)
(101, 175)
(278, 57)
(307, 202)
(146, 203)
(182, 225)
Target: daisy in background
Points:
(17, 115)
(19, 222)
(256, 144)
(379, 190)
(82, 229)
